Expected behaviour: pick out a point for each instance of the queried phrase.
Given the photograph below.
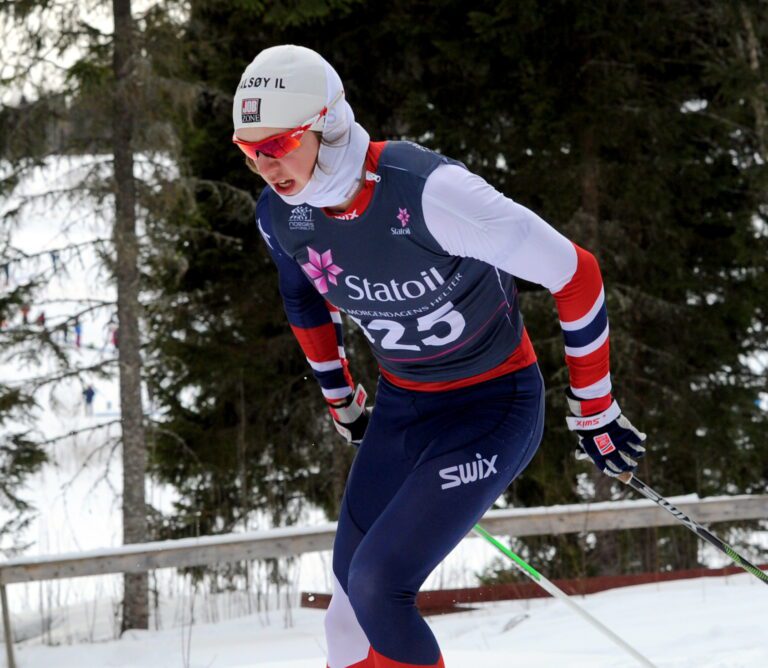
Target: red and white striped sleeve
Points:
(323, 347)
(584, 321)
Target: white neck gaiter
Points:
(341, 157)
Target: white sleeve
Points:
(470, 218)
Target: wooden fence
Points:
(273, 543)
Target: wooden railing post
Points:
(7, 632)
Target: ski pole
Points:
(694, 526)
(555, 591)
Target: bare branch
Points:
(161, 430)
(112, 444)
(77, 432)
(93, 303)
(37, 383)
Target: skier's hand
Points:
(351, 417)
(608, 438)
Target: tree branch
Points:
(77, 432)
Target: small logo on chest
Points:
(403, 216)
(300, 219)
(470, 472)
(351, 215)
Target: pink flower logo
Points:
(321, 269)
(403, 216)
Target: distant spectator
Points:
(78, 333)
(88, 394)
(41, 319)
(25, 313)
(111, 332)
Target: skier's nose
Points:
(267, 165)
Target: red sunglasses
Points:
(280, 145)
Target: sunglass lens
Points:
(251, 152)
(279, 146)
(275, 147)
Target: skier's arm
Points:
(317, 327)
(315, 323)
(469, 218)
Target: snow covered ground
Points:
(703, 623)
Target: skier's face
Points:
(287, 175)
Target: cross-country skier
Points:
(421, 254)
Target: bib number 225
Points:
(394, 330)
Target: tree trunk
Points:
(760, 94)
(135, 601)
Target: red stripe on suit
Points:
(376, 660)
(587, 370)
(318, 343)
(578, 296)
(523, 356)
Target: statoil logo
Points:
(361, 288)
(321, 269)
(463, 474)
(404, 217)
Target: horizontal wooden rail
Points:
(612, 515)
(143, 557)
(272, 543)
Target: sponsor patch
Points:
(604, 444)
(347, 216)
(300, 219)
(404, 217)
(462, 474)
(250, 111)
(321, 269)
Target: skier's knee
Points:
(372, 588)
(366, 592)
